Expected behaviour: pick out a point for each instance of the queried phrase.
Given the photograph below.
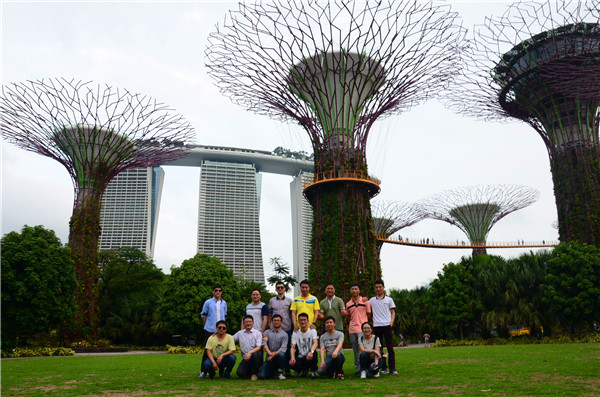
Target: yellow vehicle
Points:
(515, 331)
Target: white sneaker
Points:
(363, 374)
(384, 371)
(376, 375)
(393, 372)
(314, 374)
(280, 376)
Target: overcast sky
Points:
(158, 49)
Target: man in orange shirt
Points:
(359, 310)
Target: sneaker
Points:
(226, 376)
(384, 371)
(295, 374)
(376, 375)
(211, 376)
(363, 374)
(314, 374)
(339, 376)
(393, 372)
(201, 375)
(253, 377)
(280, 376)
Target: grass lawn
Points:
(513, 370)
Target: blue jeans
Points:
(366, 361)
(333, 365)
(269, 368)
(225, 368)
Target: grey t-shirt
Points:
(331, 341)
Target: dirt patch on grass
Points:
(456, 361)
(454, 390)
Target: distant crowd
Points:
(285, 330)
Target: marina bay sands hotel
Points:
(228, 207)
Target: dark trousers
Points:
(250, 367)
(227, 364)
(302, 364)
(270, 367)
(333, 365)
(366, 361)
(386, 333)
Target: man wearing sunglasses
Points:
(220, 349)
(213, 310)
(280, 305)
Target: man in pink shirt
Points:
(359, 310)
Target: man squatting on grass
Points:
(220, 352)
(332, 364)
(250, 340)
(306, 341)
(274, 344)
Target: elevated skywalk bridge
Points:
(458, 244)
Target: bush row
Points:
(37, 352)
(521, 340)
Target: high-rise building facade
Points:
(228, 217)
(302, 218)
(130, 207)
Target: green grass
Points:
(519, 370)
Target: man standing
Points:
(280, 305)
(259, 312)
(275, 344)
(306, 341)
(220, 350)
(384, 313)
(332, 306)
(213, 310)
(305, 303)
(358, 309)
(250, 341)
(332, 356)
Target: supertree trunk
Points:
(84, 236)
(576, 176)
(343, 242)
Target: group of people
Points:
(286, 331)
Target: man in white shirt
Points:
(305, 341)
(250, 340)
(383, 310)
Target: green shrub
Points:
(520, 340)
(37, 352)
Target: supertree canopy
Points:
(540, 63)
(391, 216)
(476, 209)
(335, 68)
(95, 132)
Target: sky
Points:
(158, 49)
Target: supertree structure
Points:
(540, 63)
(390, 217)
(96, 132)
(335, 68)
(476, 209)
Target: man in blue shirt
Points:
(213, 310)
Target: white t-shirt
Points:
(381, 310)
(304, 341)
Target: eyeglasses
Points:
(221, 327)
(217, 290)
(279, 287)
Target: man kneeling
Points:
(220, 350)
(275, 346)
(332, 363)
(250, 341)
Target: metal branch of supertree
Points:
(335, 67)
(95, 132)
(140, 131)
(392, 216)
(476, 209)
(540, 63)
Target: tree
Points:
(450, 299)
(189, 285)
(572, 285)
(282, 273)
(411, 312)
(130, 286)
(38, 283)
